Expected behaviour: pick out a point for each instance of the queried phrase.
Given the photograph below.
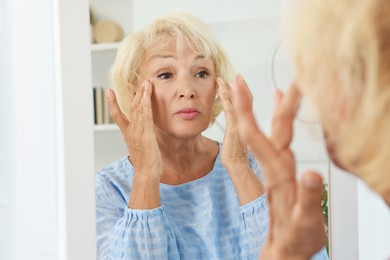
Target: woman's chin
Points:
(336, 162)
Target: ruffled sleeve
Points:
(254, 218)
(124, 233)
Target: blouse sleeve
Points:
(254, 218)
(124, 233)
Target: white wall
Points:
(374, 225)
(343, 215)
(75, 130)
(212, 12)
(47, 206)
(5, 142)
(29, 217)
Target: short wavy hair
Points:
(187, 31)
(341, 50)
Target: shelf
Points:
(105, 46)
(105, 128)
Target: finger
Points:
(135, 103)
(137, 125)
(278, 95)
(224, 94)
(147, 106)
(284, 114)
(116, 114)
(309, 204)
(291, 100)
(310, 191)
(247, 125)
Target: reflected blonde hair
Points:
(341, 50)
(188, 32)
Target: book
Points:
(99, 105)
(107, 117)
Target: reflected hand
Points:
(297, 228)
(138, 132)
(234, 152)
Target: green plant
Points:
(324, 206)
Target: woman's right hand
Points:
(142, 144)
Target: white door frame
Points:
(75, 124)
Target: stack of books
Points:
(101, 110)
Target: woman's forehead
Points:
(158, 58)
(170, 45)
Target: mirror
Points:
(252, 39)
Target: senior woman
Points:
(178, 195)
(344, 72)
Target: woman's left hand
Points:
(234, 154)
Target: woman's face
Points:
(184, 90)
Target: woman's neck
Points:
(187, 159)
(181, 151)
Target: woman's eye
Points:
(202, 74)
(165, 75)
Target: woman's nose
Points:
(186, 88)
(187, 94)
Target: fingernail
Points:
(312, 182)
(277, 94)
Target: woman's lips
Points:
(187, 113)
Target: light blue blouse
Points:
(201, 219)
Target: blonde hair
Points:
(341, 50)
(187, 31)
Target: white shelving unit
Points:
(103, 128)
(104, 47)
(109, 145)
